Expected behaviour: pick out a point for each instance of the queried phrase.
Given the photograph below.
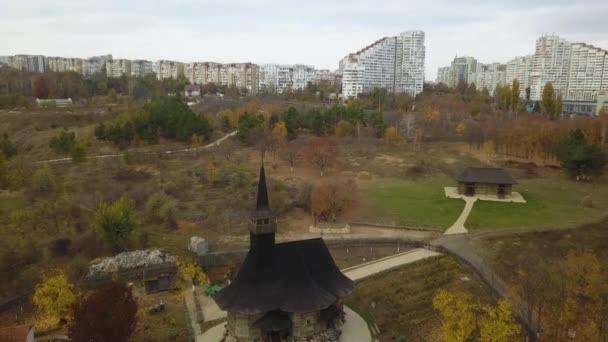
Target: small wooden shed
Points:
(487, 181)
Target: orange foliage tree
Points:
(333, 199)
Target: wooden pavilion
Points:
(486, 181)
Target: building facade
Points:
(118, 68)
(141, 68)
(62, 64)
(168, 69)
(393, 63)
(94, 65)
(443, 75)
(519, 69)
(489, 76)
(279, 78)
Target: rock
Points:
(198, 246)
(129, 261)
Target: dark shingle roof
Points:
(487, 175)
(301, 276)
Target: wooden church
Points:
(290, 291)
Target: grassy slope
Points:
(419, 203)
(553, 202)
(404, 297)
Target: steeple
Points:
(262, 199)
(262, 223)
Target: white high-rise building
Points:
(393, 63)
(443, 75)
(489, 76)
(550, 64)
(520, 69)
(586, 71)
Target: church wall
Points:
(305, 325)
(240, 328)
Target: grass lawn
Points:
(553, 202)
(415, 203)
(404, 297)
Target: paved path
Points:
(191, 306)
(211, 311)
(105, 156)
(363, 271)
(458, 226)
(214, 334)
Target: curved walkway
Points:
(104, 156)
(363, 271)
(458, 226)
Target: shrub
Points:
(7, 147)
(116, 222)
(64, 143)
(160, 208)
(44, 181)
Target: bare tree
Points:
(322, 152)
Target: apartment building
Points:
(489, 76)
(62, 64)
(239, 75)
(393, 63)
(141, 68)
(585, 73)
(520, 69)
(326, 77)
(278, 78)
(29, 63)
(118, 68)
(165, 69)
(550, 64)
(443, 75)
(94, 65)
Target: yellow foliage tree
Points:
(392, 136)
(53, 299)
(458, 315)
(498, 325)
(460, 129)
(344, 129)
(279, 132)
(192, 272)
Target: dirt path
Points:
(106, 156)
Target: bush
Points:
(160, 208)
(7, 147)
(64, 143)
(78, 153)
(61, 246)
(44, 181)
(116, 222)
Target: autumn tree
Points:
(192, 272)
(53, 299)
(322, 152)
(498, 324)
(279, 132)
(116, 222)
(458, 318)
(291, 154)
(344, 129)
(108, 314)
(41, 87)
(460, 129)
(392, 136)
(331, 200)
(548, 100)
(515, 95)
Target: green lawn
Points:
(420, 203)
(553, 202)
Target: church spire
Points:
(262, 199)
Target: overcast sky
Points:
(306, 31)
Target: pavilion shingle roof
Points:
(485, 175)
